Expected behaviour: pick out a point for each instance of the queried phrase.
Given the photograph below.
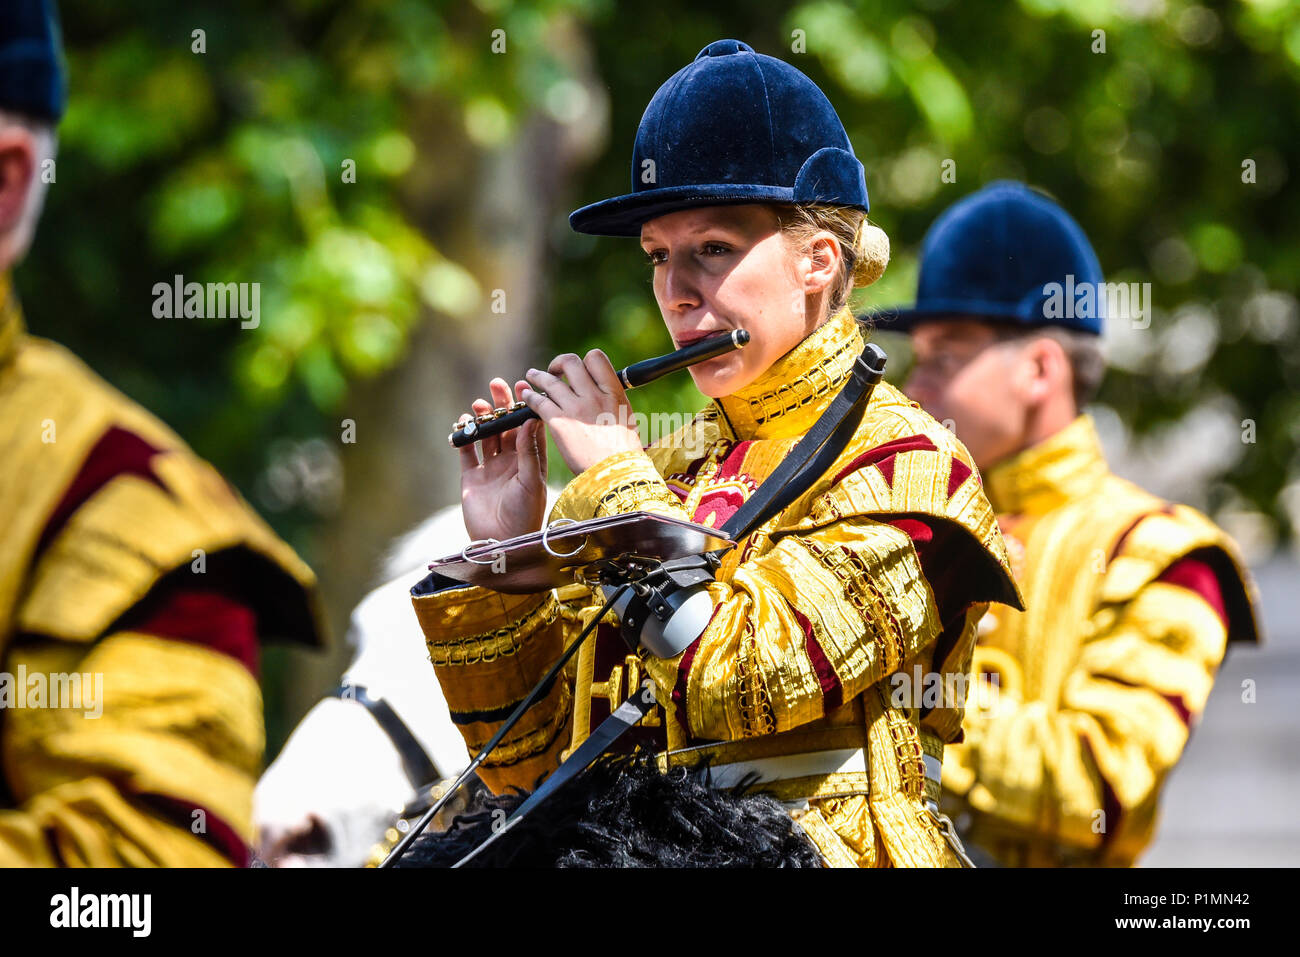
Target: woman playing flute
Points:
(836, 658)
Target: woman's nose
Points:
(681, 290)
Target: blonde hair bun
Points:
(872, 248)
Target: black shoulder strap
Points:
(816, 451)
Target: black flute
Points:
(638, 373)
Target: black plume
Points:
(624, 812)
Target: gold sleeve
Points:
(153, 765)
(623, 482)
(488, 651)
(1089, 773)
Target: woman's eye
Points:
(658, 257)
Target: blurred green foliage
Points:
(227, 165)
(224, 157)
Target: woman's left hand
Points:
(588, 415)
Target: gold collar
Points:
(786, 400)
(1047, 475)
(11, 319)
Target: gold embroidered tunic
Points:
(135, 582)
(1092, 691)
(886, 563)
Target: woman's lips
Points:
(685, 339)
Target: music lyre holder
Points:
(553, 556)
(618, 551)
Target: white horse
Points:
(342, 777)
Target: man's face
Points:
(719, 268)
(966, 375)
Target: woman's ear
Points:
(824, 255)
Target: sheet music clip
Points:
(553, 556)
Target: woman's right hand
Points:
(503, 493)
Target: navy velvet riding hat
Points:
(1006, 253)
(31, 77)
(732, 126)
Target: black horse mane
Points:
(624, 812)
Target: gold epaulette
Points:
(1171, 533)
(133, 530)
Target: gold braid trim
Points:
(832, 847)
(533, 743)
(813, 384)
(817, 787)
(824, 510)
(908, 749)
(798, 741)
(499, 643)
(755, 706)
(859, 590)
(635, 496)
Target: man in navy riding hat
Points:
(1130, 601)
(135, 584)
